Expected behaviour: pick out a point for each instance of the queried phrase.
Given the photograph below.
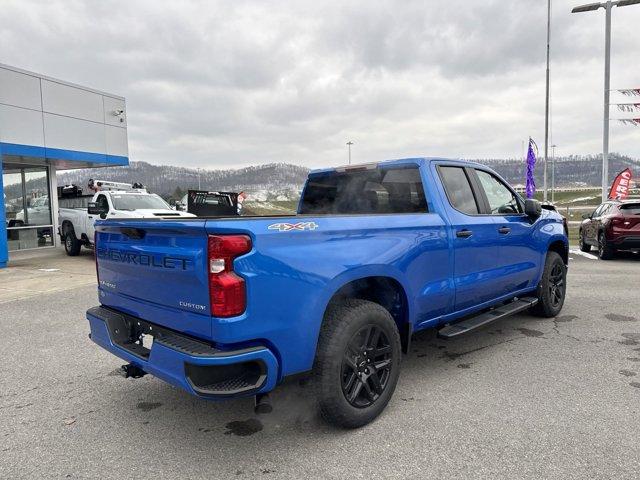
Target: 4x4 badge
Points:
(288, 227)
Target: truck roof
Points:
(124, 192)
(391, 163)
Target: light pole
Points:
(607, 70)
(546, 103)
(349, 143)
(553, 173)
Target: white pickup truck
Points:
(111, 200)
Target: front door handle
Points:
(504, 230)
(464, 233)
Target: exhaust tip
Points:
(262, 404)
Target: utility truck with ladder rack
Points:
(114, 200)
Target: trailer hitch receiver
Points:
(131, 370)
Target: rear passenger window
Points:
(458, 189)
(371, 191)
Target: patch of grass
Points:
(573, 235)
(573, 197)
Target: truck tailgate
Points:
(156, 268)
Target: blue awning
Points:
(63, 159)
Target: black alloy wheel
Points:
(556, 285)
(552, 287)
(366, 366)
(357, 362)
(605, 251)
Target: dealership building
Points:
(48, 125)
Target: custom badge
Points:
(288, 227)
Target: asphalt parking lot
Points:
(524, 398)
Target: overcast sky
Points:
(223, 84)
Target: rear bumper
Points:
(626, 242)
(184, 361)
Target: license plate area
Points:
(135, 336)
(125, 331)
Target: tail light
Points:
(620, 222)
(226, 289)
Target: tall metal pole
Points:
(546, 105)
(349, 143)
(607, 71)
(553, 173)
(590, 7)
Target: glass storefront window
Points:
(13, 199)
(25, 238)
(27, 207)
(36, 182)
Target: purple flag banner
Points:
(531, 165)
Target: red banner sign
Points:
(620, 187)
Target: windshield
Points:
(132, 201)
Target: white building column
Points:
(53, 189)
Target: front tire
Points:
(357, 363)
(71, 244)
(605, 251)
(584, 246)
(552, 288)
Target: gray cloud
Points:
(219, 84)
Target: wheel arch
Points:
(385, 290)
(561, 247)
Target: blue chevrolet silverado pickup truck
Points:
(228, 307)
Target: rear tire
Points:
(357, 363)
(584, 246)
(552, 288)
(71, 244)
(605, 251)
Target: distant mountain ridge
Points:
(571, 171)
(282, 180)
(276, 179)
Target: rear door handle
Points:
(504, 230)
(464, 233)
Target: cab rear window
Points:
(370, 191)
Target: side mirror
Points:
(94, 209)
(586, 216)
(532, 208)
